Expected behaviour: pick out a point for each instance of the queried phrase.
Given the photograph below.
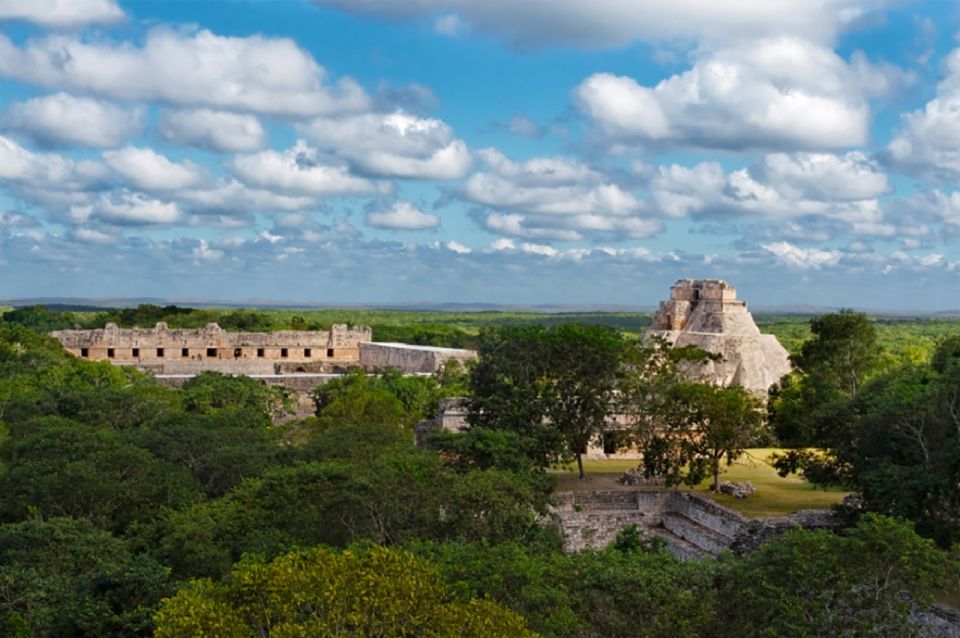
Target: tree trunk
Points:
(580, 463)
(716, 478)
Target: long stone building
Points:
(165, 351)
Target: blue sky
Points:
(508, 151)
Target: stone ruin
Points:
(707, 314)
(165, 351)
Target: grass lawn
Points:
(775, 495)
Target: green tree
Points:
(812, 583)
(376, 592)
(706, 425)
(584, 362)
(64, 577)
(553, 386)
(209, 391)
(59, 467)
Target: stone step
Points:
(679, 547)
(599, 501)
(703, 537)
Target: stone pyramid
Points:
(706, 313)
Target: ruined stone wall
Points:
(410, 358)
(163, 350)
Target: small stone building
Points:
(706, 313)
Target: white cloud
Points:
(127, 208)
(46, 171)
(771, 93)
(230, 196)
(300, 170)
(457, 247)
(516, 225)
(502, 244)
(393, 145)
(928, 143)
(94, 236)
(803, 258)
(15, 219)
(539, 249)
(546, 185)
(256, 73)
(612, 23)
(66, 120)
(148, 170)
(402, 216)
(842, 188)
(61, 13)
(203, 252)
(213, 130)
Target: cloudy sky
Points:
(509, 151)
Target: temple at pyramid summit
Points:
(706, 313)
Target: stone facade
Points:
(165, 351)
(411, 358)
(706, 313)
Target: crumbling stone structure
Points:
(183, 352)
(706, 313)
(165, 351)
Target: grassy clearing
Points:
(775, 496)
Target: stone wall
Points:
(410, 358)
(162, 350)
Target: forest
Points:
(132, 509)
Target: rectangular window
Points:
(159, 353)
(307, 352)
(184, 352)
(283, 352)
(330, 352)
(261, 353)
(237, 353)
(136, 353)
(110, 353)
(84, 352)
(211, 352)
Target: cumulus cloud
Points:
(843, 188)
(300, 170)
(213, 130)
(393, 144)
(256, 73)
(525, 127)
(611, 23)
(232, 197)
(61, 13)
(928, 143)
(457, 247)
(803, 258)
(554, 198)
(66, 120)
(148, 170)
(402, 216)
(46, 171)
(771, 93)
(127, 208)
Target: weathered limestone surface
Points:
(410, 358)
(706, 313)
